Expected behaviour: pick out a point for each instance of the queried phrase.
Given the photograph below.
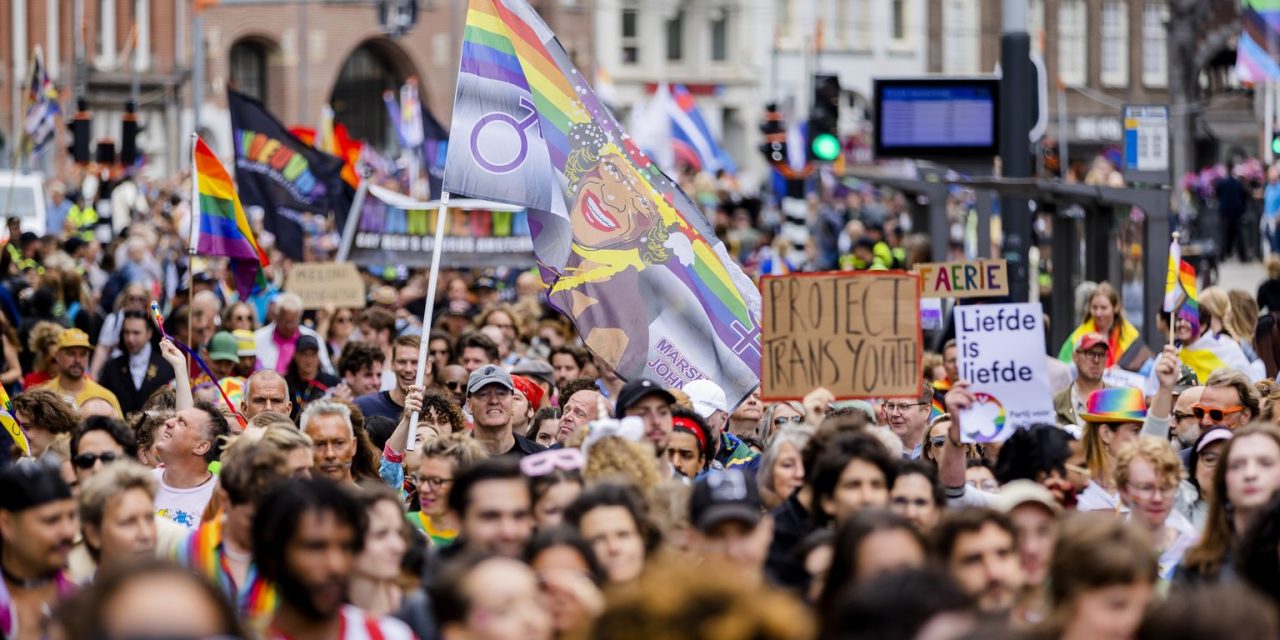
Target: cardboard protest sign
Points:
(1001, 353)
(965, 279)
(321, 284)
(856, 334)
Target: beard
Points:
(298, 595)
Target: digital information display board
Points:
(937, 117)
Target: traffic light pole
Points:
(1017, 87)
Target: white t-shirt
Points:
(1095, 498)
(359, 625)
(183, 506)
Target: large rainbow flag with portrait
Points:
(626, 254)
(221, 227)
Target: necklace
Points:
(26, 583)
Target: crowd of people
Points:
(253, 468)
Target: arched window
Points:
(248, 68)
(357, 96)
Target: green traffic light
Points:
(1275, 144)
(825, 147)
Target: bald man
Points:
(265, 390)
(1186, 427)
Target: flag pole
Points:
(193, 240)
(1173, 332)
(437, 249)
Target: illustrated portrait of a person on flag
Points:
(619, 226)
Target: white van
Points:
(22, 195)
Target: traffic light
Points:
(79, 128)
(824, 119)
(774, 146)
(1275, 143)
(129, 135)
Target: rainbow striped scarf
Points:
(255, 600)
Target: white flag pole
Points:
(436, 250)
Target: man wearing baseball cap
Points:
(728, 522)
(38, 527)
(489, 391)
(648, 400)
(709, 401)
(1090, 359)
(72, 357)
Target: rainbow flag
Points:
(1180, 290)
(626, 254)
(222, 227)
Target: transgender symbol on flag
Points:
(496, 141)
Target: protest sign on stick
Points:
(964, 279)
(856, 334)
(1001, 353)
(321, 284)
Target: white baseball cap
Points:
(707, 397)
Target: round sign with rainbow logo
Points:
(984, 421)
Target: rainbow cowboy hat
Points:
(1122, 404)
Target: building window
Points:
(357, 96)
(898, 20)
(960, 37)
(1155, 52)
(784, 18)
(1035, 25)
(248, 69)
(720, 35)
(1115, 43)
(853, 23)
(675, 37)
(1073, 59)
(630, 35)
(106, 58)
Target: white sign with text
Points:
(1002, 355)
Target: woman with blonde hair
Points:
(1113, 419)
(43, 342)
(1208, 342)
(1148, 474)
(1105, 315)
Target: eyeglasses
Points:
(87, 460)
(895, 407)
(1096, 356)
(1148, 491)
(1215, 414)
(1179, 415)
(778, 422)
(432, 482)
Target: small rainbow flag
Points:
(223, 228)
(1180, 290)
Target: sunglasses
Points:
(1215, 414)
(544, 462)
(454, 386)
(778, 422)
(87, 460)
